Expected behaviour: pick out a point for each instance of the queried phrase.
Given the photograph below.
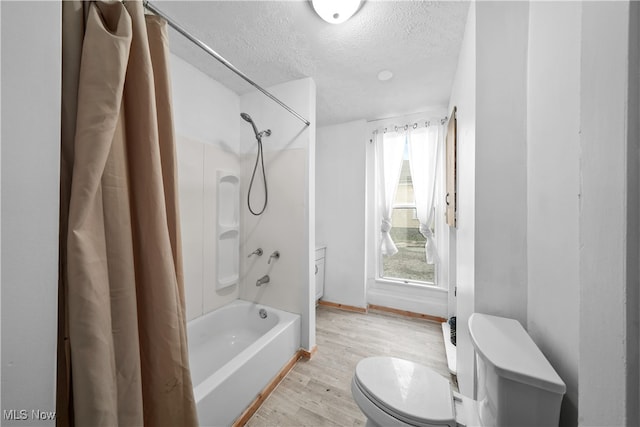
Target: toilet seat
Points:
(409, 392)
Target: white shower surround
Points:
(286, 225)
(234, 354)
(224, 388)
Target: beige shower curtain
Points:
(122, 357)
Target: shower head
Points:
(247, 118)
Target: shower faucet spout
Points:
(261, 281)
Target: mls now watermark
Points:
(28, 415)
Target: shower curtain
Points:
(122, 349)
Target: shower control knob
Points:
(256, 252)
(275, 254)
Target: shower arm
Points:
(220, 59)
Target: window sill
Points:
(408, 285)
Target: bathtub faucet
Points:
(261, 281)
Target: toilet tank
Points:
(515, 384)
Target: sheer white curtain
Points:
(390, 148)
(424, 144)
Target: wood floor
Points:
(317, 392)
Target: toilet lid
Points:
(406, 390)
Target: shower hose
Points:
(259, 158)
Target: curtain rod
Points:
(220, 59)
(414, 125)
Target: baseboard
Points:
(407, 313)
(343, 306)
(262, 396)
(308, 354)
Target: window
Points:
(409, 263)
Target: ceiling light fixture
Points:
(336, 11)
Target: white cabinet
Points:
(320, 256)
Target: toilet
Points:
(515, 384)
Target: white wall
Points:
(579, 63)
(491, 266)
(462, 241)
(207, 124)
(500, 174)
(1, 365)
(633, 218)
(31, 62)
(605, 185)
(553, 189)
(340, 210)
(288, 223)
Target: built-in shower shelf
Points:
(228, 231)
(228, 199)
(449, 347)
(228, 281)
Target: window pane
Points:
(410, 261)
(404, 194)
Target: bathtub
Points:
(234, 354)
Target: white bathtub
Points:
(234, 354)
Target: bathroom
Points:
(537, 86)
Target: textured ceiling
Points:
(276, 41)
